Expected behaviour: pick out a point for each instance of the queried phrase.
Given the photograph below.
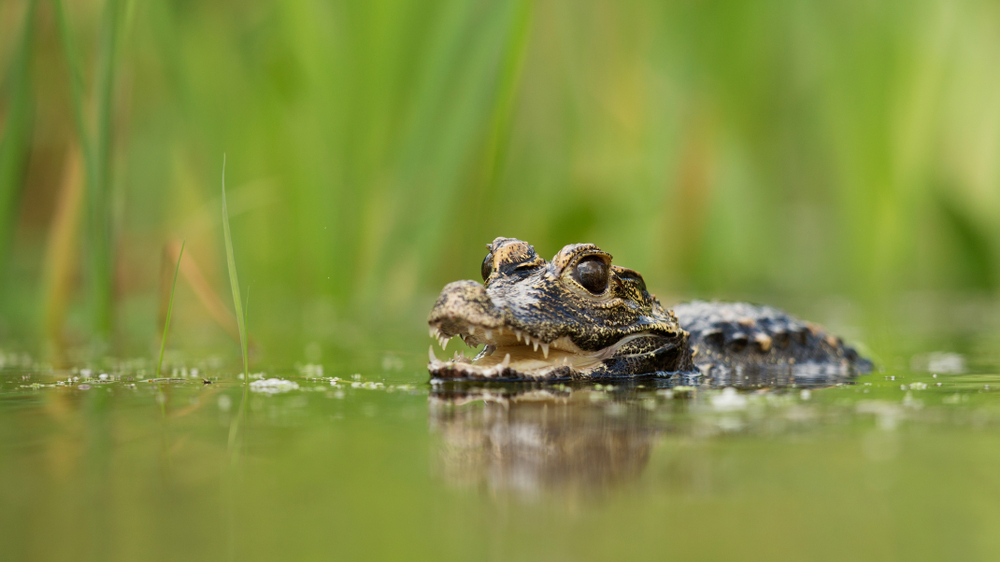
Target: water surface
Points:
(105, 463)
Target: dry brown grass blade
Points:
(62, 251)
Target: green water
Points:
(838, 156)
(895, 465)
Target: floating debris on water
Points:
(273, 386)
(368, 385)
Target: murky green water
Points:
(896, 465)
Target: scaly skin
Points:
(740, 334)
(580, 317)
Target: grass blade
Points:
(234, 279)
(97, 151)
(101, 244)
(61, 253)
(76, 86)
(511, 69)
(170, 309)
(234, 426)
(17, 132)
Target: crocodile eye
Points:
(487, 267)
(592, 274)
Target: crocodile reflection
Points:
(531, 439)
(585, 439)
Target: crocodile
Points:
(581, 317)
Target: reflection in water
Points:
(528, 439)
(778, 376)
(588, 438)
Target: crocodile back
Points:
(728, 336)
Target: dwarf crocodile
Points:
(581, 317)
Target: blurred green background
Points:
(794, 150)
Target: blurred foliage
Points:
(722, 148)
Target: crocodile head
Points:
(577, 316)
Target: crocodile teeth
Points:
(534, 344)
(545, 350)
(518, 334)
(435, 332)
(433, 358)
(472, 330)
(489, 334)
(505, 363)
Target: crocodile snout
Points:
(462, 304)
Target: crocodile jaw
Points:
(510, 351)
(514, 355)
(518, 357)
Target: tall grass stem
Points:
(170, 309)
(234, 427)
(234, 281)
(15, 140)
(96, 147)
